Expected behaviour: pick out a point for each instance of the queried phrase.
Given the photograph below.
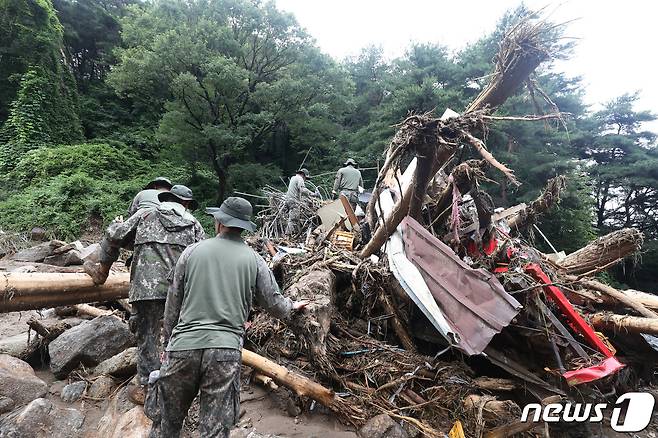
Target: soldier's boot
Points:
(137, 394)
(97, 271)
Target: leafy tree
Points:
(236, 80)
(38, 99)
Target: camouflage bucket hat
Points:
(234, 212)
(350, 161)
(159, 181)
(179, 193)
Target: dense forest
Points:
(98, 96)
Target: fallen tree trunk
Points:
(632, 324)
(617, 295)
(302, 386)
(603, 252)
(20, 291)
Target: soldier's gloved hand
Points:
(118, 219)
(317, 193)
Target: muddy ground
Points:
(263, 411)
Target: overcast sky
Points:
(616, 47)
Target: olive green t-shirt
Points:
(213, 286)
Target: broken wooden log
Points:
(266, 381)
(616, 294)
(398, 327)
(624, 323)
(646, 299)
(524, 46)
(86, 309)
(518, 427)
(494, 384)
(47, 332)
(603, 252)
(491, 408)
(20, 291)
(302, 386)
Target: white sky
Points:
(616, 47)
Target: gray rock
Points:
(37, 253)
(73, 391)
(38, 234)
(102, 387)
(91, 252)
(6, 404)
(382, 426)
(42, 419)
(77, 246)
(57, 387)
(18, 381)
(122, 365)
(14, 345)
(68, 258)
(89, 344)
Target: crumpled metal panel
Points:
(473, 301)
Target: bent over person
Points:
(212, 289)
(158, 235)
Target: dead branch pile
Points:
(368, 334)
(274, 215)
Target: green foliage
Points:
(257, 92)
(30, 39)
(41, 114)
(233, 95)
(62, 187)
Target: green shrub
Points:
(62, 188)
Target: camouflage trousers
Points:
(215, 373)
(352, 196)
(294, 218)
(146, 323)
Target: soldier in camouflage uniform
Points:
(158, 235)
(148, 197)
(296, 192)
(212, 290)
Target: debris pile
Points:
(446, 312)
(431, 314)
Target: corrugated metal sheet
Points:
(472, 300)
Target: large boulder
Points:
(37, 253)
(18, 381)
(42, 419)
(89, 344)
(121, 365)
